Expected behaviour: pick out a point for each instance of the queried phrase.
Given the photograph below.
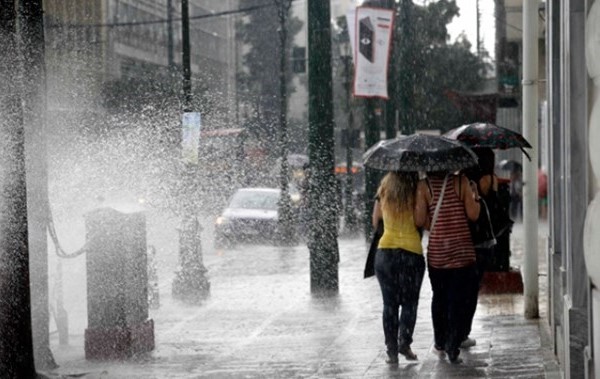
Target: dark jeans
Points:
(400, 275)
(451, 297)
(483, 257)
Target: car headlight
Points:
(221, 220)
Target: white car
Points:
(250, 216)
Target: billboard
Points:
(372, 35)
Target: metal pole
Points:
(190, 283)
(186, 56)
(530, 131)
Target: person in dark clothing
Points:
(485, 182)
(450, 256)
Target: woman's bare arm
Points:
(421, 210)
(470, 198)
(377, 215)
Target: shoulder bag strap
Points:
(438, 205)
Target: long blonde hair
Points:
(397, 191)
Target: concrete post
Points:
(530, 128)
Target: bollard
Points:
(117, 280)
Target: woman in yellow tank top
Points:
(399, 262)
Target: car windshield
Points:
(255, 200)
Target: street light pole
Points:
(190, 283)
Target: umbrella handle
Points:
(527, 155)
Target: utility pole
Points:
(190, 283)
(406, 69)
(478, 28)
(285, 222)
(16, 341)
(34, 111)
(170, 47)
(323, 243)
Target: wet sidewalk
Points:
(262, 322)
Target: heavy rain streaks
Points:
(127, 231)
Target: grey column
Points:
(555, 210)
(576, 185)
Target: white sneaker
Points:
(467, 343)
(441, 354)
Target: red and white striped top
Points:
(450, 244)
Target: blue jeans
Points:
(400, 275)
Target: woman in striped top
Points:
(399, 262)
(450, 256)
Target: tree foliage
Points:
(259, 81)
(433, 65)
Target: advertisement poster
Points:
(190, 137)
(372, 41)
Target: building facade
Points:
(573, 79)
(94, 42)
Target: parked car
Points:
(250, 216)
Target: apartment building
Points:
(94, 42)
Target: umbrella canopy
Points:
(419, 152)
(481, 134)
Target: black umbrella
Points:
(419, 152)
(481, 134)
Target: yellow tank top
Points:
(400, 232)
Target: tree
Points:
(323, 243)
(429, 66)
(259, 86)
(16, 346)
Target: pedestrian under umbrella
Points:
(489, 135)
(419, 152)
